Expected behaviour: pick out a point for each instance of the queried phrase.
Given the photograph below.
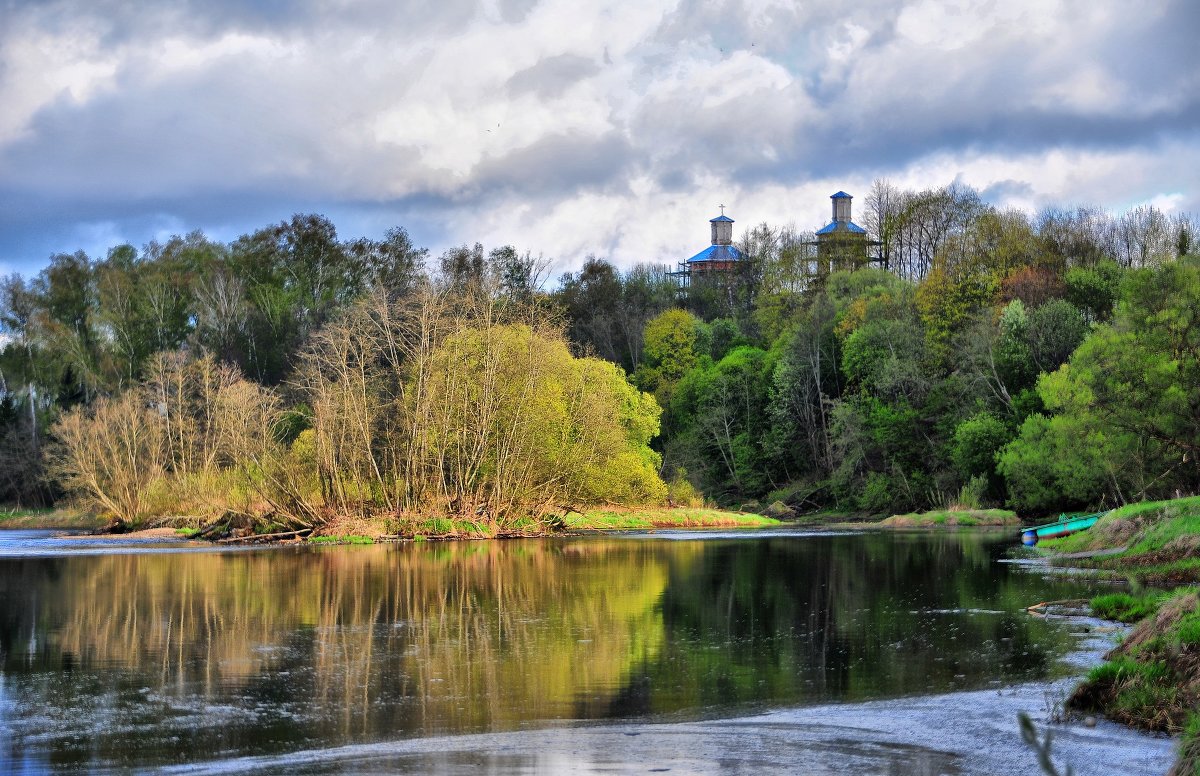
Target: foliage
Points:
(1130, 393)
(988, 357)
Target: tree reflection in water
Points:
(148, 659)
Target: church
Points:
(720, 258)
(839, 245)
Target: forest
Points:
(986, 358)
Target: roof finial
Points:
(722, 209)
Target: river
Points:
(523, 656)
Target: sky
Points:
(569, 127)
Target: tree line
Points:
(986, 357)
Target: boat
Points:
(1064, 526)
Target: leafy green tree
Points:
(1127, 403)
(977, 442)
(947, 304)
(720, 413)
(1055, 329)
(674, 342)
(1094, 290)
(591, 299)
(804, 384)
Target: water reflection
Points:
(149, 659)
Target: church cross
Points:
(722, 209)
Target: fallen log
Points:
(264, 537)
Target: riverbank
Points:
(993, 518)
(360, 530)
(34, 519)
(1152, 543)
(1152, 679)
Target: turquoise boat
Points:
(1064, 526)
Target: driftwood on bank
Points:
(266, 537)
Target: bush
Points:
(682, 492)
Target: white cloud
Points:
(568, 127)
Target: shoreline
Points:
(351, 530)
(1152, 679)
(81, 527)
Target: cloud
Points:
(550, 77)
(569, 128)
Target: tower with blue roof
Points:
(841, 244)
(718, 258)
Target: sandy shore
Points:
(131, 536)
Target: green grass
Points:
(12, 517)
(954, 517)
(1116, 526)
(340, 540)
(1186, 632)
(682, 517)
(1152, 680)
(1124, 607)
(1159, 535)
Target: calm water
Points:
(137, 659)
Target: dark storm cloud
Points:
(557, 164)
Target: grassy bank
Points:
(1152, 680)
(679, 517)
(1160, 542)
(30, 519)
(950, 517)
(352, 529)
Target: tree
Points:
(1127, 404)
(977, 442)
(592, 298)
(804, 384)
(674, 341)
(721, 410)
(109, 454)
(1094, 290)
(394, 262)
(1055, 329)
(947, 303)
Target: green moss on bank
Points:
(948, 517)
(683, 517)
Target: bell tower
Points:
(722, 229)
